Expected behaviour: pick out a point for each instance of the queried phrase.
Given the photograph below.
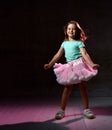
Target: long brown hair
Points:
(80, 35)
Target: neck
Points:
(70, 39)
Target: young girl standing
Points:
(78, 69)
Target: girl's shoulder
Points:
(79, 41)
(64, 43)
(75, 42)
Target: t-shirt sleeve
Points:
(81, 44)
(62, 45)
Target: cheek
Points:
(67, 31)
(73, 33)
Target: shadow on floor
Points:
(47, 125)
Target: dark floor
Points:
(38, 114)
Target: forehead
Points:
(71, 25)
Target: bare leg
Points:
(66, 92)
(84, 94)
(87, 112)
(65, 96)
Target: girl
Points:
(78, 69)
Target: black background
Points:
(31, 33)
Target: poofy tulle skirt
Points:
(74, 72)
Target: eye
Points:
(69, 28)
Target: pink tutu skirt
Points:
(73, 72)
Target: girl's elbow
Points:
(57, 56)
(84, 55)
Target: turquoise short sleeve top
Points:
(72, 49)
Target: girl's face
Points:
(71, 31)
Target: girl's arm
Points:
(88, 59)
(55, 58)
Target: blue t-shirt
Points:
(72, 49)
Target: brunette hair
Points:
(80, 35)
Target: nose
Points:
(70, 30)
